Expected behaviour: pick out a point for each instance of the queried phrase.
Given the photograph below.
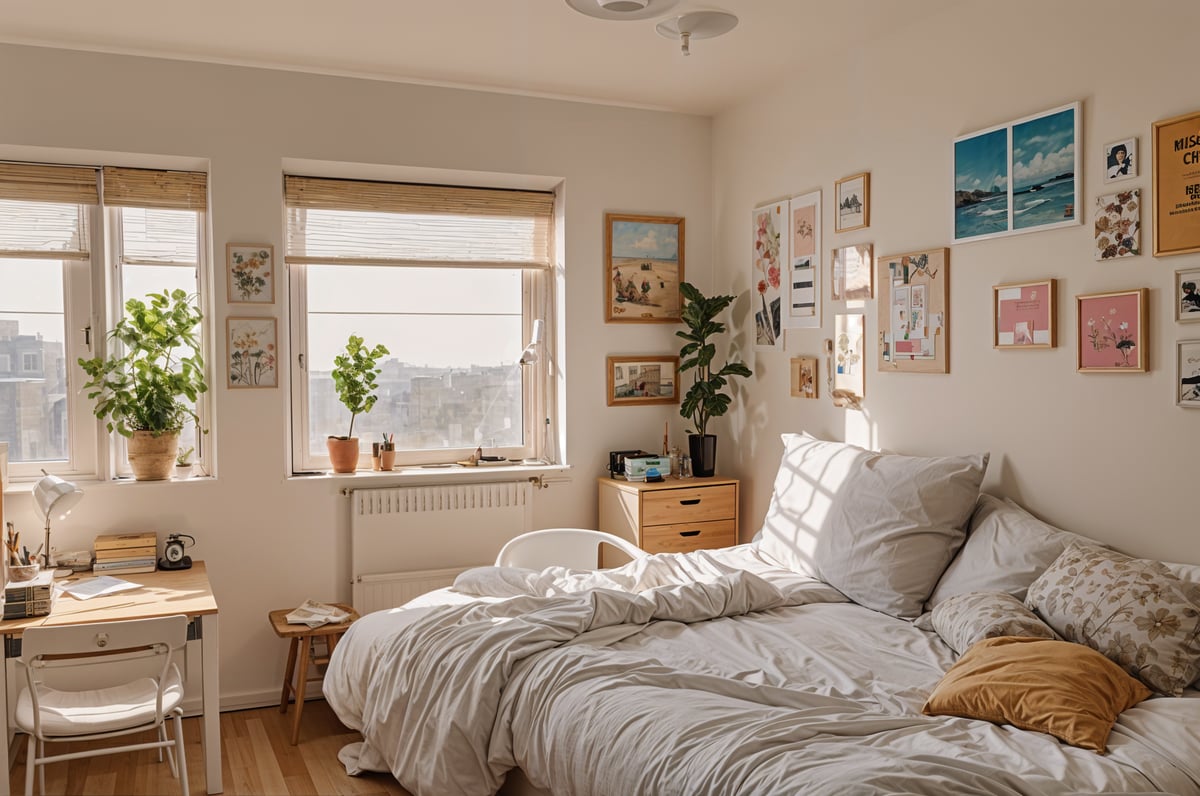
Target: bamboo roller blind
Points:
(33, 182)
(164, 190)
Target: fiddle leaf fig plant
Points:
(706, 398)
(354, 373)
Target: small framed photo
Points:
(853, 273)
(1187, 369)
(250, 273)
(1187, 295)
(1120, 160)
(1113, 333)
(643, 380)
(643, 267)
(804, 377)
(847, 360)
(853, 198)
(1024, 315)
(252, 358)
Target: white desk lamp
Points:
(54, 497)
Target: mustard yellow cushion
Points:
(1066, 690)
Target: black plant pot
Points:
(704, 454)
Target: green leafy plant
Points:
(354, 375)
(184, 458)
(143, 386)
(705, 399)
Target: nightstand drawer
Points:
(691, 505)
(687, 536)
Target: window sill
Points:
(444, 474)
(26, 487)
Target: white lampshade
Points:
(54, 497)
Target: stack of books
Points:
(126, 553)
(30, 597)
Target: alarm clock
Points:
(173, 557)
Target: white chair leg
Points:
(30, 765)
(162, 737)
(179, 753)
(41, 752)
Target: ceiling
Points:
(538, 47)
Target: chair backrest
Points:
(574, 548)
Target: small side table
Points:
(302, 638)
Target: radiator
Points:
(406, 541)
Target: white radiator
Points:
(406, 541)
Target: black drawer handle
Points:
(689, 533)
(692, 502)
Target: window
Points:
(450, 281)
(32, 363)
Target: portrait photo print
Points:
(1120, 160)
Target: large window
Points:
(450, 281)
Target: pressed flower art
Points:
(1119, 225)
(767, 270)
(250, 271)
(1112, 331)
(253, 353)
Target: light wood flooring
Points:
(257, 759)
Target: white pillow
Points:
(880, 528)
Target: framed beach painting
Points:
(643, 267)
(252, 352)
(914, 311)
(250, 273)
(1024, 315)
(1113, 333)
(1187, 295)
(852, 199)
(1018, 177)
(804, 276)
(643, 380)
(1187, 373)
(1119, 225)
(770, 223)
(853, 273)
(1120, 160)
(1177, 185)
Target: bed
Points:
(805, 662)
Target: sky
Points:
(1043, 148)
(639, 239)
(981, 162)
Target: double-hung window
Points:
(451, 281)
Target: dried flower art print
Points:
(1119, 225)
(1112, 331)
(769, 220)
(250, 271)
(253, 353)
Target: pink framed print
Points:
(1113, 332)
(1024, 315)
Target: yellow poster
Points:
(1177, 185)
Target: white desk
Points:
(163, 593)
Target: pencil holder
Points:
(23, 572)
(387, 458)
(375, 451)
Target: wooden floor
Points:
(257, 759)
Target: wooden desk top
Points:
(162, 593)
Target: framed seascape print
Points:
(1113, 335)
(770, 254)
(250, 273)
(853, 273)
(1018, 177)
(253, 354)
(643, 268)
(849, 360)
(804, 377)
(852, 199)
(1177, 185)
(803, 283)
(1119, 225)
(1187, 295)
(1187, 373)
(914, 311)
(1024, 315)
(643, 380)
(1120, 160)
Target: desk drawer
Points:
(687, 536)
(691, 504)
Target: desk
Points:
(163, 593)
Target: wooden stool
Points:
(302, 637)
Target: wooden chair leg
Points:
(301, 684)
(288, 671)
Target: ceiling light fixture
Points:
(696, 25)
(623, 9)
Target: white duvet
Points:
(705, 673)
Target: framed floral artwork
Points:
(853, 273)
(1176, 148)
(1024, 315)
(852, 197)
(1120, 160)
(643, 267)
(804, 377)
(847, 360)
(770, 255)
(803, 283)
(643, 380)
(1113, 333)
(1119, 225)
(1187, 295)
(1187, 373)
(253, 352)
(250, 273)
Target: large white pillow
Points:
(878, 527)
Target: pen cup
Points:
(387, 458)
(375, 456)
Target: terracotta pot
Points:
(343, 453)
(152, 456)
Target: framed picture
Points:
(1018, 177)
(643, 380)
(250, 273)
(804, 377)
(804, 277)
(770, 253)
(1120, 160)
(1187, 373)
(1113, 332)
(853, 273)
(1024, 315)
(848, 365)
(253, 353)
(914, 311)
(853, 202)
(643, 265)
(1119, 225)
(1176, 195)
(1187, 295)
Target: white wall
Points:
(271, 542)
(1108, 455)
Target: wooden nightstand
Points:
(670, 516)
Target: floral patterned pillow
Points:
(966, 618)
(1133, 610)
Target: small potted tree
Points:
(147, 385)
(354, 373)
(705, 399)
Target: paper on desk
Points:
(95, 587)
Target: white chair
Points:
(574, 548)
(141, 687)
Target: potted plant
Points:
(354, 373)
(146, 389)
(183, 464)
(705, 399)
